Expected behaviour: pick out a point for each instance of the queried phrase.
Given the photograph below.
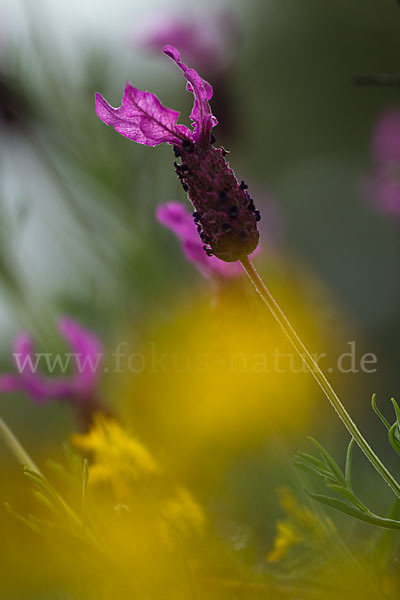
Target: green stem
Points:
(16, 448)
(318, 375)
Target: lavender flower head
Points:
(224, 212)
(384, 184)
(86, 350)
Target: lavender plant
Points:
(117, 511)
(226, 219)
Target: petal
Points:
(202, 46)
(23, 349)
(177, 218)
(89, 353)
(386, 138)
(142, 118)
(209, 266)
(201, 115)
(25, 360)
(40, 389)
(44, 389)
(383, 191)
(10, 383)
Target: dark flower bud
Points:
(215, 193)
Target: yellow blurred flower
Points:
(285, 538)
(301, 526)
(120, 461)
(117, 457)
(184, 512)
(211, 378)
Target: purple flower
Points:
(384, 184)
(209, 45)
(179, 220)
(226, 214)
(87, 346)
(78, 388)
(143, 119)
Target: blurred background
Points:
(78, 233)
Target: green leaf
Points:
(349, 456)
(44, 500)
(334, 467)
(60, 506)
(349, 495)
(356, 513)
(396, 410)
(378, 412)
(314, 461)
(394, 437)
(60, 472)
(11, 510)
(309, 468)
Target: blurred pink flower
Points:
(86, 352)
(384, 183)
(210, 45)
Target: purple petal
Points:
(40, 389)
(201, 115)
(142, 118)
(25, 360)
(382, 186)
(88, 352)
(386, 138)
(383, 191)
(23, 347)
(44, 389)
(177, 218)
(10, 383)
(192, 37)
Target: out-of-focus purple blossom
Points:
(178, 219)
(384, 183)
(86, 356)
(144, 120)
(86, 345)
(210, 45)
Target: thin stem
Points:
(318, 375)
(16, 448)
